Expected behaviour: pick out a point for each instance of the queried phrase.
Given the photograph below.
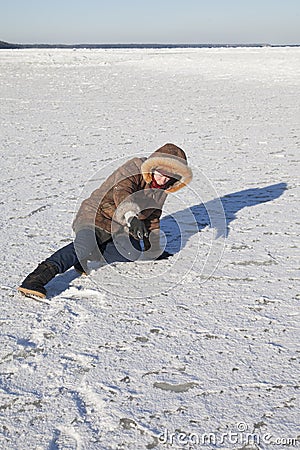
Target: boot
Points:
(34, 283)
(79, 269)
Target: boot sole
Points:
(31, 292)
(84, 274)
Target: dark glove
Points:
(164, 255)
(137, 228)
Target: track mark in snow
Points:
(74, 292)
(91, 409)
(66, 439)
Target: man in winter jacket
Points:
(130, 201)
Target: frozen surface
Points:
(135, 354)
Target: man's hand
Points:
(137, 228)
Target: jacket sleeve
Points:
(129, 182)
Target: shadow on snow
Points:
(179, 227)
(217, 213)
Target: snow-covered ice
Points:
(199, 351)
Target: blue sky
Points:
(150, 21)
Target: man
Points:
(130, 200)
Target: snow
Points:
(165, 354)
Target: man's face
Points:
(160, 179)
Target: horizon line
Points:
(8, 45)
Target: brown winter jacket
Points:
(127, 192)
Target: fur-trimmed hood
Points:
(171, 159)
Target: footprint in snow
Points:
(66, 439)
